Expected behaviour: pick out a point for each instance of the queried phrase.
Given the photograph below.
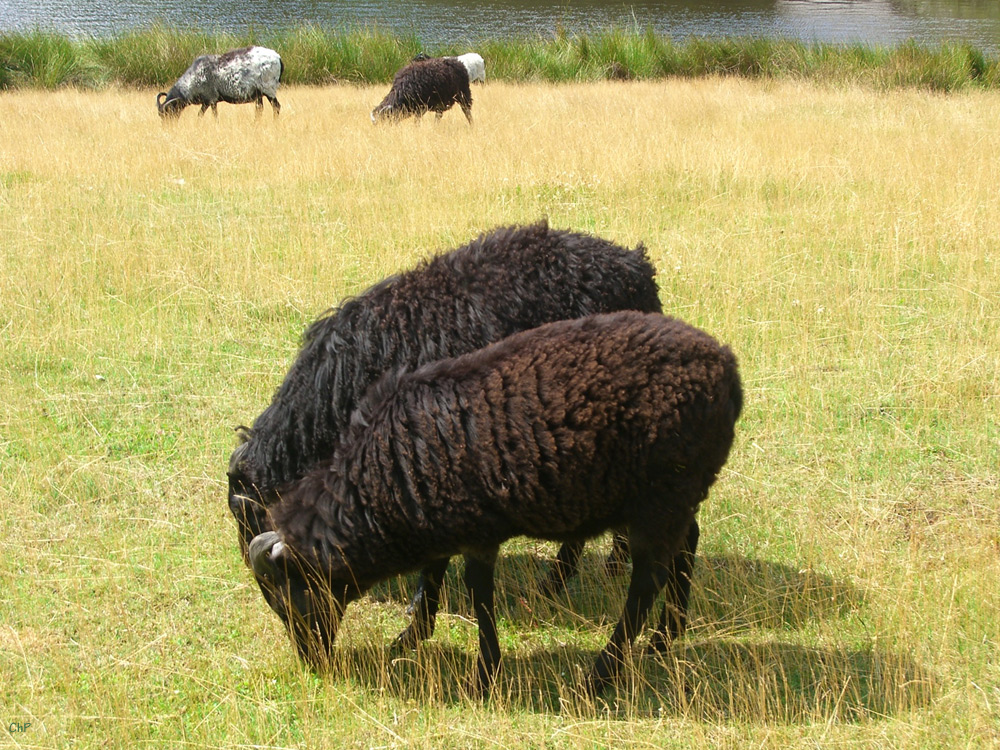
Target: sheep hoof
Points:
(410, 638)
(659, 643)
(481, 686)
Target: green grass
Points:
(155, 280)
(316, 56)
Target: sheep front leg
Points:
(673, 618)
(424, 605)
(648, 577)
(479, 580)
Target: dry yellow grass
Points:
(154, 280)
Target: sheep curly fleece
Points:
(431, 85)
(508, 280)
(559, 433)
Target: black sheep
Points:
(559, 433)
(431, 85)
(509, 280)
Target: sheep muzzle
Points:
(168, 107)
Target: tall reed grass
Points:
(317, 56)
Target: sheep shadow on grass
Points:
(717, 681)
(730, 594)
(728, 668)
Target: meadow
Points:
(154, 283)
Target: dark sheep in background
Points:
(236, 77)
(508, 280)
(431, 85)
(558, 433)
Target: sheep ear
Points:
(265, 549)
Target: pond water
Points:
(873, 22)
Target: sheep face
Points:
(309, 602)
(247, 502)
(169, 105)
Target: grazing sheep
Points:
(431, 85)
(508, 280)
(476, 66)
(237, 77)
(560, 433)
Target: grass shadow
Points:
(730, 594)
(718, 681)
(727, 669)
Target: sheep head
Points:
(247, 502)
(309, 602)
(384, 112)
(169, 106)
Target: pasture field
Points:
(155, 280)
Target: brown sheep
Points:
(431, 85)
(559, 433)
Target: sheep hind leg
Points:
(564, 567)
(479, 580)
(673, 617)
(655, 539)
(648, 577)
(424, 605)
(275, 105)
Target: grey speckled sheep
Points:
(431, 85)
(560, 433)
(236, 77)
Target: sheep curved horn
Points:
(264, 549)
(160, 99)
